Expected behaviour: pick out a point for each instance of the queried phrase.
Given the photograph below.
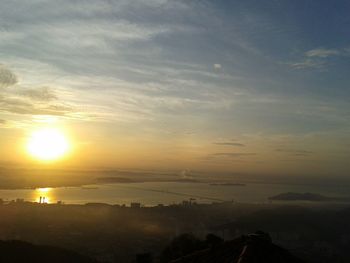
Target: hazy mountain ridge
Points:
(291, 196)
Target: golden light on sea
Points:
(43, 195)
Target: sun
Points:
(47, 144)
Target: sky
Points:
(245, 87)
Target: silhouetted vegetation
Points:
(186, 244)
(19, 252)
(252, 248)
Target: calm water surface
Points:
(155, 193)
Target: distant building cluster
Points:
(42, 200)
(135, 205)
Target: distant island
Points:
(227, 184)
(115, 179)
(89, 187)
(290, 196)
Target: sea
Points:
(166, 193)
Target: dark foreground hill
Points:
(20, 252)
(254, 248)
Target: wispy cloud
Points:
(317, 58)
(322, 52)
(20, 106)
(308, 63)
(40, 94)
(7, 77)
(223, 157)
(17, 99)
(233, 155)
(294, 152)
(230, 144)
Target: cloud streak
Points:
(29, 101)
(7, 78)
(230, 144)
(294, 152)
(39, 94)
(19, 106)
(322, 52)
(232, 155)
(317, 58)
(308, 64)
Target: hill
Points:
(15, 251)
(253, 248)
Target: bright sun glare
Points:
(47, 144)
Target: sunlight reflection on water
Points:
(43, 195)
